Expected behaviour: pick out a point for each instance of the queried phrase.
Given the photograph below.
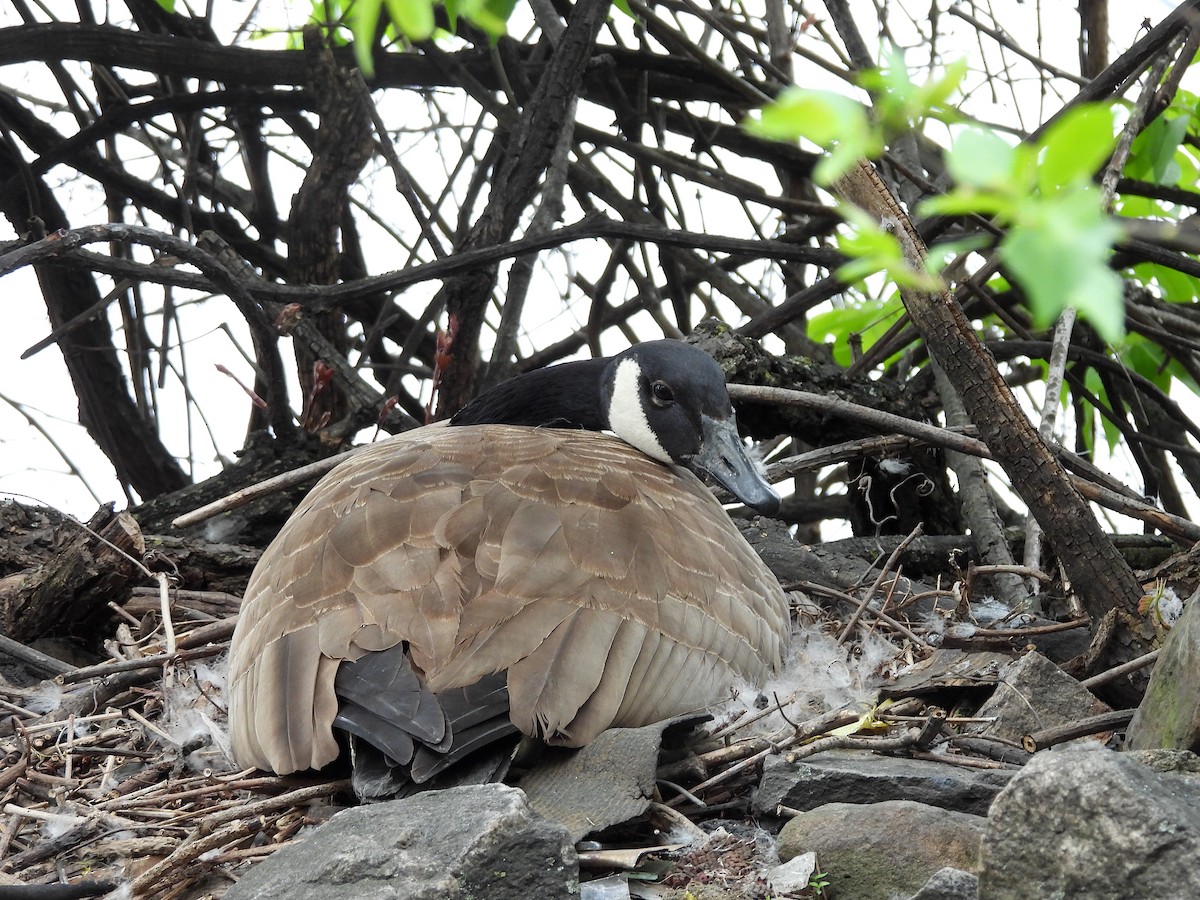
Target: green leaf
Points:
(967, 200)
(936, 92)
(1154, 150)
(832, 121)
(1075, 146)
(868, 320)
(1058, 254)
(492, 16)
(900, 104)
(822, 117)
(1175, 286)
(981, 158)
(168, 5)
(363, 17)
(623, 6)
(414, 18)
(1146, 358)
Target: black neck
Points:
(563, 396)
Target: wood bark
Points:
(68, 595)
(1096, 570)
(529, 151)
(341, 146)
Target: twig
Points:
(881, 616)
(887, 567)
(277, 483)
(940, 437)
(35, 659)
(1028, 631)
(854, 742)
(159, 660)
(1117, 671)
(1048, 737)
(166, 872)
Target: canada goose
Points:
(454, 584)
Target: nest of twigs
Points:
(118, 778)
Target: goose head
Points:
(669, 400)
(665, 398)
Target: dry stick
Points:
(1054, 378)
(35, 659)
(1005, 41)
(164, 599)
(967, 762)
(1165, 522)
(1048, 737)
(167, 871)
(1030, 630)
(887, 567)
(98, 693)
(245, 294)
(777, 706)
(756, 748)
(912, 430)
(883, 617)
(238, 823)
(885, 421)
(159, 660)
(282, 801)
(245, 784)
(853, 742)
(269, 486)
(1118, 671)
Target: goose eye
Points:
(662, 393)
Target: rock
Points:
(874, 850)
(1033, 694)
(1093, 823)
(949, 884)
(463, 842)
(793, 876)
(944, 669)
(609, 781)
(1169, 714)
(852, 776)
(1178, 762)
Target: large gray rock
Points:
(1093, 824)
(876, 850)
(1169, 714)
(858, 776)
(1033, 694)
(609, 781)
(949, 884)
(460, 843)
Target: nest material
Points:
(119, 774)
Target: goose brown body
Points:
(611, 588)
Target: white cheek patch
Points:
(627, 418)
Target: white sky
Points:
(31, 467)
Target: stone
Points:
(949, 884)
(874, 850)
(608, 782)
(1033, 694)
(462, 843)
(1093, 823)
(793, 876)
(859, 776)
(1178, 762)
(1169, 714)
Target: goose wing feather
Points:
(612, 590)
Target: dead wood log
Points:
(67, 596)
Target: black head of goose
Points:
(455, 584)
